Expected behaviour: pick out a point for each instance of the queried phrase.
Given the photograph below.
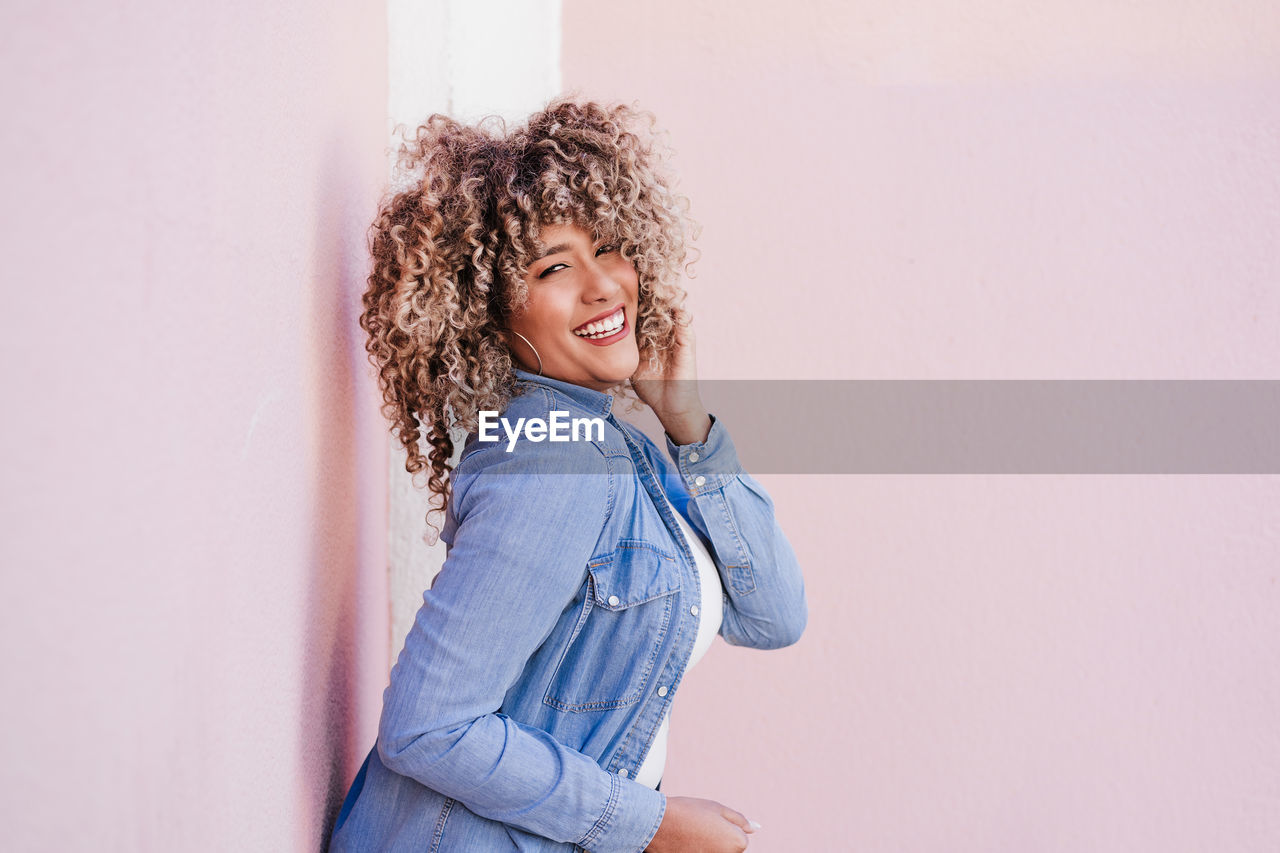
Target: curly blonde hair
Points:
(452, 249)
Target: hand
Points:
(673, 395)
(691, 823)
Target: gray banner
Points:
(965, 427)
(1001, 426)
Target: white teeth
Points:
(603, 328)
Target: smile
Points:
(603, 328)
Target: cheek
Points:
(630, 282)
(546, 315)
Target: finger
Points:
(738, 819)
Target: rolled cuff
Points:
(630, 820)
(707, 465)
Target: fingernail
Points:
(753, 825)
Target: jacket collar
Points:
(590, 398)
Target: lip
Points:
(612, 339)
(609, 313)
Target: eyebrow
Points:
(563, 247)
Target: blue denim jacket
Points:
(528, 690)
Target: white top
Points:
(710, 613)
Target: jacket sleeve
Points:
(519, 553)
(765, 604)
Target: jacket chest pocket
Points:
(626, 614)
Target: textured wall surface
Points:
(193, 610)
(933, 190)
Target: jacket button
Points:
(693, 457)
(694, 610)
(700, 481)
(614, 601)
(662, 691)
(622, 771)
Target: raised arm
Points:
(518, 556)
(764, 592)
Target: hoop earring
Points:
(531, 346)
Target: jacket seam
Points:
(741, 576)
(439, 831)
(615, 792)
(599, 565)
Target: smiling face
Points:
(581, 311)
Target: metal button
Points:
(700, 481)
(662, 691)
(622, 771)
(693, 457)
(614, 601)
(694, 610)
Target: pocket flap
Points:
(634, 573)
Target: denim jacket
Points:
(555, 637)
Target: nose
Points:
(600, 286)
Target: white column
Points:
(468, 60)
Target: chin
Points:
(613, 379)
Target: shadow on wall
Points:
(347, 482)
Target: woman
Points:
(534, 274)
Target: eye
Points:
(549, 270)
(604, 250)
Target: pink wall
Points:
(1049, 663)
(193, 609)
(194, 604)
